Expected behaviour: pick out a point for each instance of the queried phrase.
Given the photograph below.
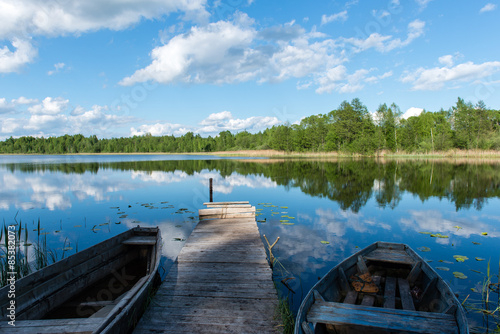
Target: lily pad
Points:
(460, 258)
(476, 243)
(484, 233)
(479, 259)
(444, 261)
(425, 233)
(285, 223)
(261, 221)
(325, 242)
(459, 275)
(284, 207)
(439, 235)
(457, 227)
(291, 217)
(424, 249)
(443, 268)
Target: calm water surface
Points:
(323, 211)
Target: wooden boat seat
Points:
(381, 318)
(80, 326)
(140, 241)
(392, 256)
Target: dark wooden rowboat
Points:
(102, 289)
(398, 293)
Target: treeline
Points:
(349, 128)
(350, 183)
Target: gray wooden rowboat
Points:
(102, 289)
(398, 293)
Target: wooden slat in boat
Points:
(140, 240)
(382, 319)
(395, 269)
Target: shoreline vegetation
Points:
(275, 154)
(464, 130)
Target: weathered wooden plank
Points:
(415, 271)
(221, 282)
(382, 318)
(344, 283)
(226, 203)
(351, 297)
(405, 294)
(141, 240)
(362, 268)
(215, 205)
(390, 292)
(389, 255)
(225, 210)
(368, 300)
(80, 326)
(228, 215)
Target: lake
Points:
(322, 211)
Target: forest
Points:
(348, 129)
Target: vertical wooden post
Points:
(211, 190)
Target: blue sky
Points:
(128, 67)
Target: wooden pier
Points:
(221, 281)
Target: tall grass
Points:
(25, 262)
(489, 304)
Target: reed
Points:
(489, 303)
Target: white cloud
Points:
(446, 60)
(160, 129)
(383, 43)
(58, 18)
(23, 100)
(57, 68)
(12, 61)
(488, 8)
(436, 78)
(423, 3)
(413, 111)
(49, 106)
(223, 121)
(342, 16)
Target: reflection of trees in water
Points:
(351, 183)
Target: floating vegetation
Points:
(123, 216)
(285, 223)
(291, 217)
(325, 242)
(114, 207)
(284, 207)
(444, 261)
(284, 216)
(120, 213)
(459, 275)
(261, 203)
(259, 209)
(178, 225)
(443, 268)
(261, 221)
(460, 258)
(103, 224)
(424, 249)
(479, 259)
(429, 233)
(476, 243)
(77, 226)
(457, 227)
(439, 235)
(164, 202)
(484, 233)
(476, 271)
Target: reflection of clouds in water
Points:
(160, 177)
(225, 185)
(338, 222)
(53, 191)
(433, 221)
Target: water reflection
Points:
(323, 211)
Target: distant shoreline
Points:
(468, 154)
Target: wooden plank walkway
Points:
(220, 283)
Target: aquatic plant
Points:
(489, 303)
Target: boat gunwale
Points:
(425, 267)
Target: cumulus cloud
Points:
(236, 51)
(160, 129)
(436, 78)
(387, 43)
(57, 68)
(49, 106)
(422, 3)
(58, 18)
(342, 16)
(413, 111)
(488, 8)
(12, 61)
(223, 121)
